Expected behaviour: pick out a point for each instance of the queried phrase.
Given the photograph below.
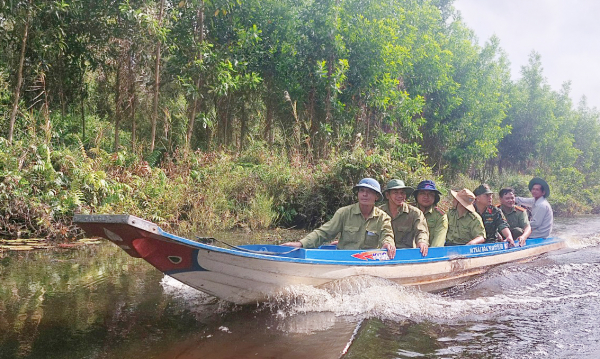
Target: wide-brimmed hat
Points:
(428, 185)
(465, 197)
(482, 189)
(544, 184)
(398, 184)
(369, 183)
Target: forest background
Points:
(211, 115)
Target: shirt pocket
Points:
(371, 240)
(351, 237)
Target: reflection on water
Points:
(97, 302)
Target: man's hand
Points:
(292, 244)
(391, 249)
(511, 242)
(522, 241)
(424, 248)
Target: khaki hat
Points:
(465, 197)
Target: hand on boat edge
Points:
(424, 247)
(391, 249)
(292, 244)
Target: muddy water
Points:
(97, 302)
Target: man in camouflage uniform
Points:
(360, 225)
(408, 222)
(464, 224)
(496, 226)
(516, 216)
(427, 197)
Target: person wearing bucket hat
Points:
(516, 216)
(427, 197)
(493, 219)
(408, 222)
(464, 224)
(361, 225)
(542, 217)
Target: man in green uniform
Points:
(496, 227)
(360, 225)
(408, 222)
(516, 216)
(464, 224)
(427, 197)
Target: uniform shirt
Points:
(542, 218)
(463, 229)
(516, 217)
(355, 231)
(493, 221)
(410, 226)
(437, 223)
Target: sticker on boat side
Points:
(372, 255)
(490, 247)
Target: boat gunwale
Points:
(389, 262)
(155, 233)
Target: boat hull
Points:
(246, 275)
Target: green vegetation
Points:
(204, 115)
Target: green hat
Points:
(482, 189)
(398, 184)
(544, 184)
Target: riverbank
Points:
(204, 192)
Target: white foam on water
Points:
(576, 242)
(194, 300)
(367, 297)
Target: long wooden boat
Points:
(252, 273)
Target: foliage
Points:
(223, 114)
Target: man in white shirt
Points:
(542, 217)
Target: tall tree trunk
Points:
(117, 106)
(132, 95)
(268, 130)
(244, 126)
(83, 115)
(195, 107)
(46, 111)
(314, 122)
(156, 80)
(17, 96)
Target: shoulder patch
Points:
(440, 211)
(520, 209)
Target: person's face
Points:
(396, 196)
(485, 199)
(367, 196)
(425, 199)
(537, 191)
(508, 200)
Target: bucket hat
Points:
(465, 197)
(398, 184)
(544, 184)
(428, 185)
(369, 183)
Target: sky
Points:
(566, 33)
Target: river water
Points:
(97, 302)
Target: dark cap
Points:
(482, 189)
